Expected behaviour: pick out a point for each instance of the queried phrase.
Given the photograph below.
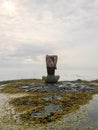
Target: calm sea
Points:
(10, 74)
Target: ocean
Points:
(12, 73)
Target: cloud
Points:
(38, 27)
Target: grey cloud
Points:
(25, 51)
(64, 27)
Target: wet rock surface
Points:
(51, 108)
(64, 86)
(60, 87)
(51, 101)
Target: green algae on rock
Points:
(64, 101)
(69, 102)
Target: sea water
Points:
(26, 73)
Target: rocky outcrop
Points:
(64, 86)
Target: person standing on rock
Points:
(51, 61)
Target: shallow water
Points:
(85, 117)
(9, 119)
(91, 113)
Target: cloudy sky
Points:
(30, 29)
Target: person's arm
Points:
(55, 60)
(49, 62)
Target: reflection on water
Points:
(85, 117)
(91, 113)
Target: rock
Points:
(51, 108)
(37, 114)
(25, 102)
(51, 78)
(62, 87)
(51, 98)
(23, 86)
(95, 81)
(89, 89)
(78, 80)
(2, 83)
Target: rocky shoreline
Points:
(60, 87)
(47, 102)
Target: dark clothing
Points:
(51, 70)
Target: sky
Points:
(30, 29)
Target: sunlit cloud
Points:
(9, 6)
